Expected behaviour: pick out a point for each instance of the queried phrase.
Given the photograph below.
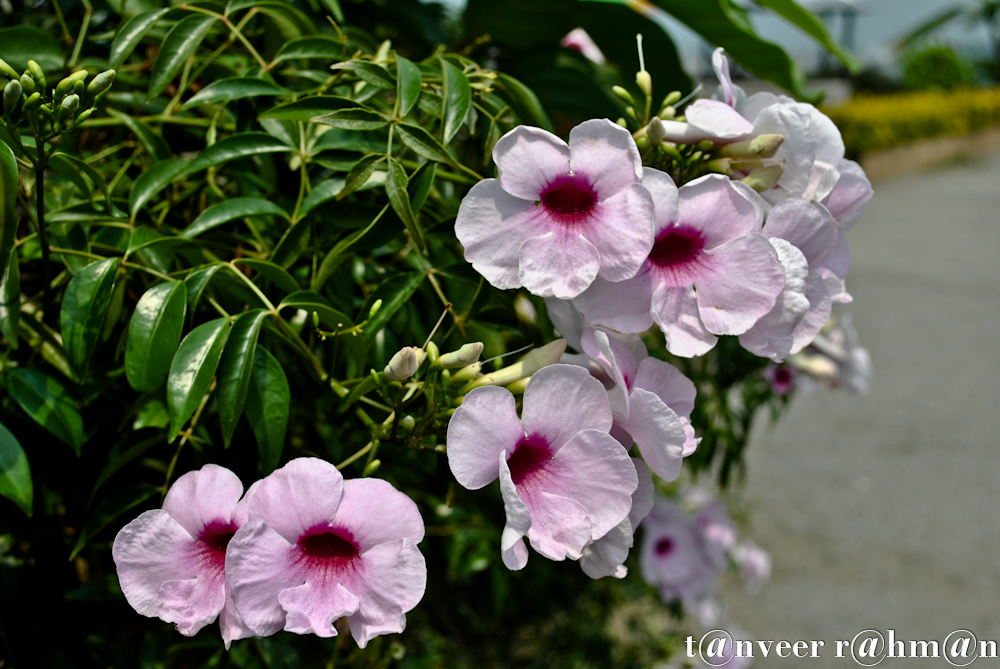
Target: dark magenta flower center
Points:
(212, 543)
(529, 462)
(327, 546)
(328, 553)
(665, 547)
(570, 197)
(678, 247)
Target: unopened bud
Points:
(374, 309)
(643, 143)
(100, 83)
(667, 113)
(764, 178)
(433, 352)
(7, 69)
(671, 152)
(622, 122)
(408, 423)
(27, 83)
(65, 87)
(69, 106)
(34, 100)
(463, 357)
(655, 130)
(645, 82)
(519, 386)
(704, 145)
(371, 467)
(79, 88)
(11, 94)
(762, 146)
(525, 367)
(466, 373)
(623, 95)
(376, 379)
(38, 73)
(84, 115)
(630, 112)
(673, 97)
(405, 363)
(720, 166)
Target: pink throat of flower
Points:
(675, 254)
(529, 462)
(330, 551)
(664, 547)
(212, 544)
(570, 198)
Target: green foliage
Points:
(935, 67)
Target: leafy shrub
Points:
(935, 67)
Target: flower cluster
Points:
(300, 550)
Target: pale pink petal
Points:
(771, 335)
(618, 363)
(313, 607)
(839, 261)
(485, 425)
(850, 194)
(721, 66)
(758, 102)
(515, 558)
(621, 436)
(719, 534)
(673, 557)
(557, 264)
(623, 306)
(192, 603)
(604, 556)
(690, 442)
(658, 432)
(560, 401)
(642, 498)
(797, 152)
(829, 143)
(240, 513)
(203, 496)
(559, 526)
(298, 497)
(512, 548)
(717, 210)
(754, 198)
(390, 581)
(622, 231)
(808, 225)
(662, 188)
(579, 39)
(822, 181)
(743, 280)
(528, 159)
(717, 118)
(375, 513)
(567, 320)
(820, 306)
(668, 383)
(491, 225)
(675, 310)
(606, 155)
(259, 565)
(231, 622)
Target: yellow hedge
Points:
(873, 122)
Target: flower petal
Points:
(662, 188)
(746, 278)
(606, 155)
(797, 152)
(512, 549)
(808, 225)
(312, 607)
(528, 159)
(605, 556)
(231, 622)
(623, 306)
(675, 310)
(617, 361)
(192, 603)
(658, 432)
(717, 210)
(391, 581)
(721, 66)
(820, 306)
(621, 228)
(299, 496)
(485, 425)
(202, 496)
(567, 320)
(375, 513)
(560, 401)
(850, 194)
(642, 498)
(668, 383)
(559, 527)
(491, 225)
(560, 265)
(717, 118)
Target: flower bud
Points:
(7, 69)
(764, 178)
(623, 95)
(463, 357)
(100, 83)
(667, 113)
(705, 145)
(763, 146)
(65, 87)
(11, 94)
(630, 112)
(467, 373)
(79, 88)
(519, 386)
(720, 166)
(376, 379)
(622, 122)
(34, 100)
(371, 467)
(405, 363)
(374, 309)
(84, 115)
(655, 130)
(645, 82)
(408, 423)
(69, 106)
(27, 83)
(673, 97)
(526, 366)
(433, 352)
(38, 73)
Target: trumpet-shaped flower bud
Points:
(100, 83)
(535, 360)
(655, 130)
(764, 179)
(468, 354)
(405, 363)
(11, 94)
(38, 73)
(27, 83)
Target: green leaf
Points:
(267, 407)
(353, 119)
(19, 44)
(153, 249)
(420, 184)
(523, 101)
(409, 80)
(457, 100)
(424, 144)
(70, 235)
(110, 508)
(153, 335)
(276, 274)
(329, 318)
(47, 402)
(149, 184)
(304, 109)
(335, 256)
(237, 146)
(69, 172)
(376, 75)
(196, 282)
(83, 307)
(151, 140)
(314, 46)
(92, 174)
(395, 188)
(10, 300)
(131, 33)
(813, 26)
(229, 210)
(118, 458)
(291, 245)
(235, 368)
(15, 474)
(322, 192)
(929, 26)
(178, 45)
(359, 174)
(233, 88)
(192, 369)
(8, 205)
(394, 293)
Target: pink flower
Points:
(849, 196)
(559, 215)
(781, 378)
(564, 480)
(675, 558)
(579, 40)
(316, 548)
(710, 271)
(605, 556)
(717, 530)
(754, 563)
(803, 234)
(171, 561)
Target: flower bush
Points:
(323, 377)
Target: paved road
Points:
(883, 511)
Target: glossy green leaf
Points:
(360, 174)
(10, 300)
(177, 46)
(235, 369)
(276, 274)
(408, 79)
(423, 143)
(279, 10)
(336, 255)
(92, 174)
(68, 171)
(395, 188)
(196, 283)
(394, 293)
(21, 43)
(8, 204)
(131, 33)
(82, 312)
(291, 245)
(150, 183)
(192, 369)
(237, 146)
(376, 75)
(234, 88)
(153, 335)
(151, 140)
(153, 249)
(523, 101)
(110, 508)
(15, 474)
(47, 402)
(229, 210)
(421, 182)
(353, 119)
(813, 26)
(304, 109)
(267, 407)
(70, 235)
(313, 46)
(457, 100)
(321, 192)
